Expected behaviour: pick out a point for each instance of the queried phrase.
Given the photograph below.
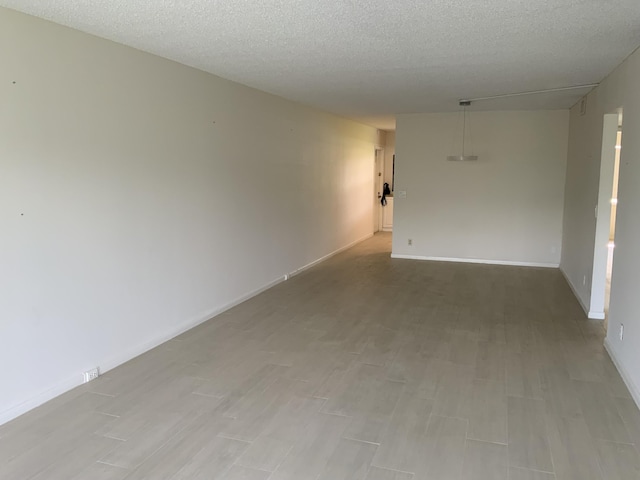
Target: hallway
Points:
(362, 367)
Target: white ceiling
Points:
(370, 59)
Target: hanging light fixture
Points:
(462, 157)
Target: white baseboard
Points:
(328, 256)
(633, 389)
(575, 293)
(475, 260)
(387, 229)
(62, 387)
(593, 315)
(123, 357)
(131, 353)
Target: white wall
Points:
(506, 207)
(621, 89)
(581, 199)
(389, 151)
(139, 197)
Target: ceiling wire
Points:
(533, 92)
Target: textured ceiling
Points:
(370, 59)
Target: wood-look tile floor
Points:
(365, 368)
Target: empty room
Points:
(319, 240)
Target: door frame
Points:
(378, 181)
(611, 124)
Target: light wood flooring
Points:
(363, 367)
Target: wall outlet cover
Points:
(91, 374)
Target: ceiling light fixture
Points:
(463, 158)
(467, 102)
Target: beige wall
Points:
(620, 90)
(506, 207)
(139, 197)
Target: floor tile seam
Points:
(271, 472)
(453, 417)
(167, 441)
(218, 397)
(372, 464)
(359, 440)
(599, 459)
(486, 441)
(101, 394)
(321, 412)
(615, 442)
(112, 465)
(546, 430)
(112, 437)
(259, 392)
(615, 408)
(112, 415)
(235, 439)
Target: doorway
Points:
(606, 217)
(612, 225)
(378, 171)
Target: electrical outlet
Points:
(91, 374)
(409, 242)
(621, 332)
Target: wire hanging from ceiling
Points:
(463, 157)
(531, 92)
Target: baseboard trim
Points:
(387, 229)
(43, 397)
(596, 315)
(131, 353)
(475, 260)
(328, 256)
(575, 293)
(114, 361)
(117, 360)
(633, 389)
